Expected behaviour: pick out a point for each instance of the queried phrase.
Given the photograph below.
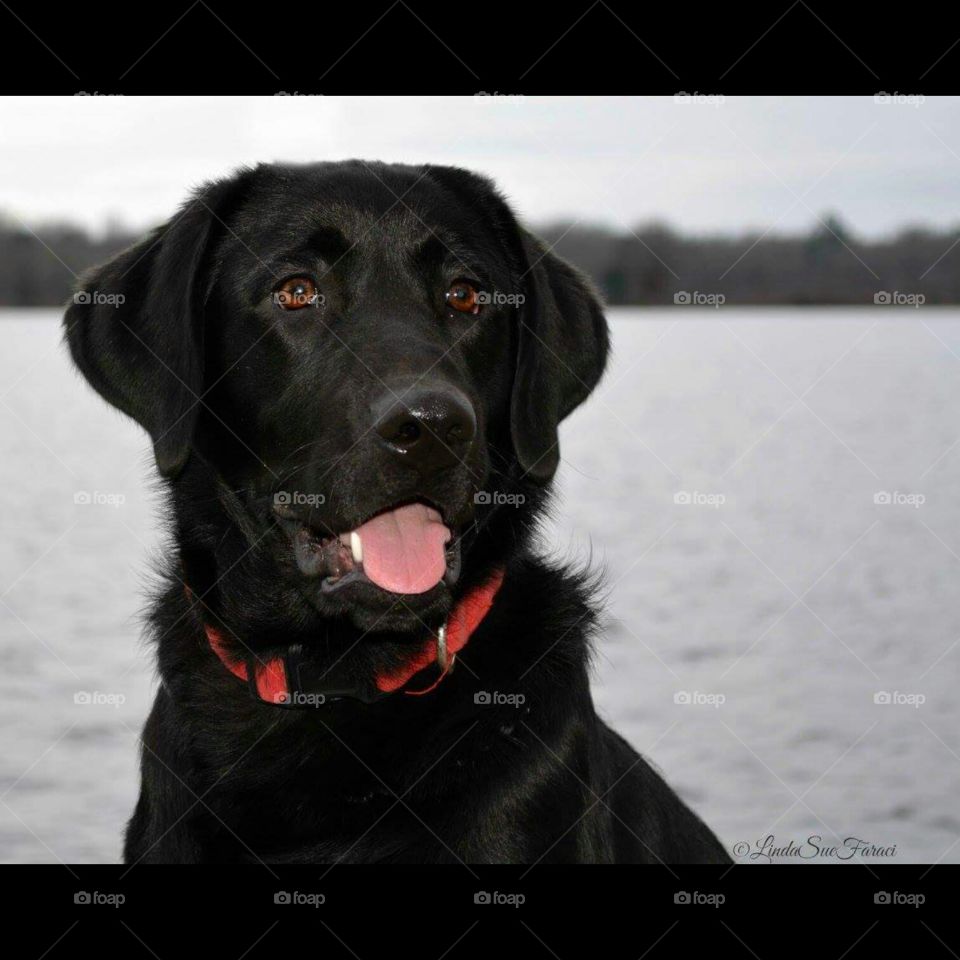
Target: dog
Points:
(352, 375)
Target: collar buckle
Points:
(445, 659)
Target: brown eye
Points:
(463, 297)
(296, 293)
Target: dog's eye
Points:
(463, 297)
(296, 293)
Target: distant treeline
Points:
(655, 265)
(39, 268)
(651, 264)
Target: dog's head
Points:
(372, 360)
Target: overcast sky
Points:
(745, 163)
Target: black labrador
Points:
(352, 374)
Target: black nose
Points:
(429, 428)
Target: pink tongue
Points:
(403, 549)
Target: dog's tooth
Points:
(356, 547)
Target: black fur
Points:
(243, 400)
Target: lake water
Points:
(809, 569)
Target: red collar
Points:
(285, 680)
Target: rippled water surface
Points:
(778, 596)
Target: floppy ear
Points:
(563, 347)
(135, 327)
(563, 339)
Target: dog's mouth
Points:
(406, 549)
